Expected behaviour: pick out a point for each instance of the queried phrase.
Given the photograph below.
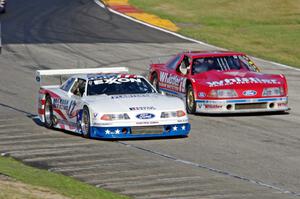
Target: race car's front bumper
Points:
(242, 105)
(125, 132)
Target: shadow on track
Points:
(243, 114)
(37, 121)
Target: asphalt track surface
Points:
(239, 156)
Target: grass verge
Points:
(269, 29)
(57, 183)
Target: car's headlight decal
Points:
(275, 91)
(223, 93)
(172, 114)
(110, 117)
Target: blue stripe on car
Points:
(116, 132)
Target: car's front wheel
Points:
(85, 123)
(48, 114)
(190, 99)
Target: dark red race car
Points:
(220, 82)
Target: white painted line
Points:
(278, 64)
(184, 37)
(99, 3)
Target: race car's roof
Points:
(196, 54)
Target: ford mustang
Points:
(109, 103)
(220, 82)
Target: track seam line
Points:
(102, 5)
(202, 166)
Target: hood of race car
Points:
(134, 102)
(235, 78)
(242, 82)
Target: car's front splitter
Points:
(242, 105)
(123, 132)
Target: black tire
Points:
(85, 123)
(155, 82)
(190, 100)
(48, 114)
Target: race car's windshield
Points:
(224, 63)
(117, 85)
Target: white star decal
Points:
(175, 128)
(183, 127)
(117, 131)
(107, 131)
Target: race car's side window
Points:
(184, 66)
(78, 87)
(67, 85)
(173, 63)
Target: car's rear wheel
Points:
(85, 123)
(190, 99)
(48, 114)
(154, 82)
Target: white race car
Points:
(109, 103)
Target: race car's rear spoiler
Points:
(61, 72)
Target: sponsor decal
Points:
(244, 80)
(100, 76)
(183, 120)
(213, 106)
(95, 115)
(209, 106)
(143, 123)
(173, 82)
(142, 108)
(129, 96)
(116, 80)
(249, 93)
(62, 104)
(67, 105)
(108, 76)
(145, 116)
(71, 107)
(201, 106)
(201, 94)
(284, 104)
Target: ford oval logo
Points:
(249, 93)
(202, 94)
(145, 116)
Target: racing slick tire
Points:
(85, 123)
(190, 99)
(155, 83)
(48, 114)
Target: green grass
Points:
(58, 183)
(268, 29)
